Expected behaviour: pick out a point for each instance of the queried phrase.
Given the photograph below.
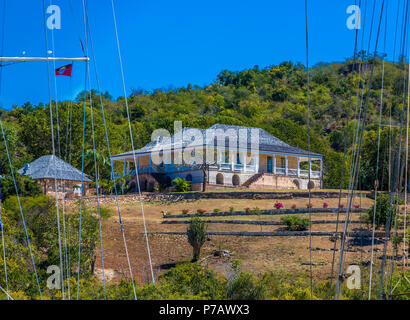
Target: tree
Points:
(101, 162)
(383, 210)
(196, 236)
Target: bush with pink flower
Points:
(278, 205)
(247, 209)
(293, 206)
(309, 205)
(201, 211)
(325, 205)
(356, 206)
(342, 206)
(185, 211)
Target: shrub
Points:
(185, 211)
(309, 205)
(196, 236)
(295, 223)
(181, 185)
(25, 185)
(231, 209)
(278, 205)
(216, 210)
(245, 286)
(383, 210)
(165, 213)
(325, 205)
(247, 209)
(256, 210)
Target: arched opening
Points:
(235, 180)
(143, 184)
(311, 185)
(189, 177)
(168, 181)
(151, 186)
(219, 178)
(297, 184)
(133, 186)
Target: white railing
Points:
(280, 170)
(313, 174)
(292, 172)
(224, 166)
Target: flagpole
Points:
(24, 59)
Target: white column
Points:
(244, 161)
(257, 162)
(232, 161)
(274, 163)
(166, 157)
(286, 165)
(138, 163)
(298, 166)
(125, 168)
(310, 167)
(321, 172)
(150, 162)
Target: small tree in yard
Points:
(383, 210)
(196, 236)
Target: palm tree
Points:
(100, 160)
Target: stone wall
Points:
(273, 181)
(175, 197)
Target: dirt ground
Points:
(258, 254)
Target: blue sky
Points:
(173, 43)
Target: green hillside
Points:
(272, 98)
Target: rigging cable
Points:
(132, 141)
(109, 154)
(19, 202)
(358, 154)
(94, 150)
(54, 155)
(62, 184)
(404, 258)
(82, 187)
(376, 182)
(395, 185)
(1, 220)
(356, 126)
(344, 159)
(310, 162)
(390, 128)
(21, 209)
(4, 246)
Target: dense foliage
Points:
(41, 222)
(385, 207)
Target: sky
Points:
(174, 43)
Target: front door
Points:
(269, 165)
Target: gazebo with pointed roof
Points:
(49, 168)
